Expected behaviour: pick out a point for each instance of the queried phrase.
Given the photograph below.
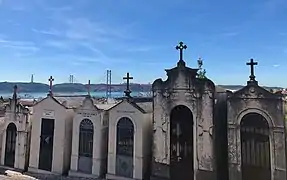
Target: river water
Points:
(36, 95)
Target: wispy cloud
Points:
(97, 51)
(58, 44)
(143, 48)
(269, 8)
(15, 5)
(83, 29)
(18, 45)
(60, 9)
(276, 65)
(50, 31)
(230, 34)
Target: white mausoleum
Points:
(51, 136)
(130, 135)
(90, 140)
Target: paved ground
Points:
(13, 175)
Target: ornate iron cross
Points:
(181, 47)
(128, 78)
(252, 64)
(51, 79)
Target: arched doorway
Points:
(125, 148)
(181, 143)
(86, 136)
(255, 147)
(10, 147)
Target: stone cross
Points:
(181, 47)
(128, 78)
(89, 87)
(252, 64)
(51, 79)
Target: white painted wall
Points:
(62, 118)
(142, 138)
(98, 117)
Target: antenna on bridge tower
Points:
(109, 84)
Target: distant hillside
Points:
(77, 87)
(68, 87)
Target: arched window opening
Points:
(255, 147)
(86, 138)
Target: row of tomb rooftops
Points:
(105, 104)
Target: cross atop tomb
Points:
(128, 78)
(252, 64)
(51, 79)
(89, 87)
(181, 47)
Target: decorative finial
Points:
(128, 91)
(51, 79)
(181, 47)
(252, 76)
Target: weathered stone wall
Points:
(182, 88)
(254, 99)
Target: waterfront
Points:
(37, 95)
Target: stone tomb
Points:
(256, 134)
(16, 135)
(183, 125)
(130, 136)
(51, 136)
(90, 141)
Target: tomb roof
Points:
(106, 106)
(146, 106)
(70, 101)
(142, 107)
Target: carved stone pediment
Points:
(253, 92)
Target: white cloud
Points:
(276, 65)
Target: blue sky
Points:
(86, 37)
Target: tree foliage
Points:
(201, 71)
